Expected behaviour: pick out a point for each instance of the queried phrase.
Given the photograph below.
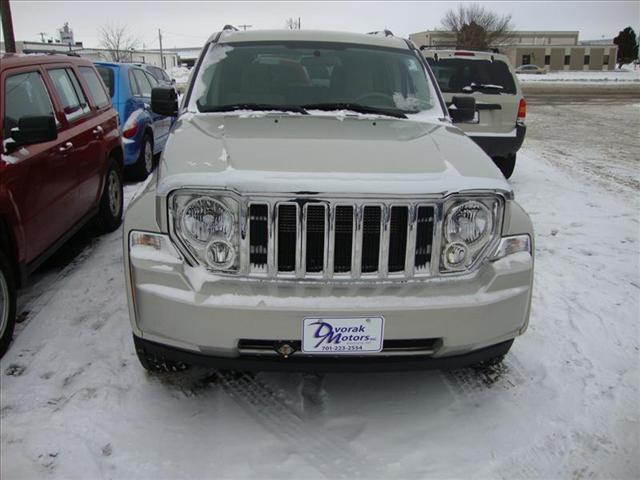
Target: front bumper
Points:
(177, 308)
(497, 146)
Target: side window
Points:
(95, 86)
(152, 80)
(25, 95)
(73, 100)
(143, 82)
(135, 91)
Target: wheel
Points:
(154, 363)
(7, 304)
(144, 166)
(110, 212)
(506, 164)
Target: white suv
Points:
(315, 208)
(498, 126)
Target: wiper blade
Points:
(356, 107)
(258, 107)
(484, 86)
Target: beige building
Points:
(552, 50)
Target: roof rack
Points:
(49, 52)
(387, 33)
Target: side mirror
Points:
(164, 101)
(464, 111)
(173, 81)
(35, 129)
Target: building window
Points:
(567, 59)
(586, 59)
(547, 59)
(526, 59)
(606, 60)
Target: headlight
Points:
(205, 218)
(206, 226)
(470, 225)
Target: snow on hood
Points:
(281, 153)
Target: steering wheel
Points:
(386, 99)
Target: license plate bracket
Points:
(342, 335)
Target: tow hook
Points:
(285, 349)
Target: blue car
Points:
(144, 132)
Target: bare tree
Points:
(477, 28)
(119, 43)
(293, 23)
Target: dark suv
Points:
(61, 164)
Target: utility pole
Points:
(161, 55)
(244, 26)
(7, 27)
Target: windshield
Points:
(311, 75)
(454, 74)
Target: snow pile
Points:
(180, 74)
(624, 75)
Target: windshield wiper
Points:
(355, 107)
(483, 86)
(258, 107)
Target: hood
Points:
(275, 153)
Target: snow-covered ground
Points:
(75, 403)
(626, 74)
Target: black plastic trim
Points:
(343, 364)
(501, 146)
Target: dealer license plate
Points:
(351, 335)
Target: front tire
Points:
(111, 202)
(506, 164)
(7, 304)
(144, 166)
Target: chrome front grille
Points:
(336, 239)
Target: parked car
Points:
(534, 69)
(498, 126)
(61, 164)
(298, 224)
(159, 74)
(144, 131)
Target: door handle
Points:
(66, 147)
(97, 131)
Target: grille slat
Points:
(370, 238)
(343, 239)
(398, 238)
(315, 238)
(287, 231)
(258, 236)
(320, 238)
(424, 237)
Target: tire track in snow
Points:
(328, 453)
(471, 381)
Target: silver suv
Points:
(315, 208)
(498, 126)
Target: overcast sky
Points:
(186, 24)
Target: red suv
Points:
(61, 164)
